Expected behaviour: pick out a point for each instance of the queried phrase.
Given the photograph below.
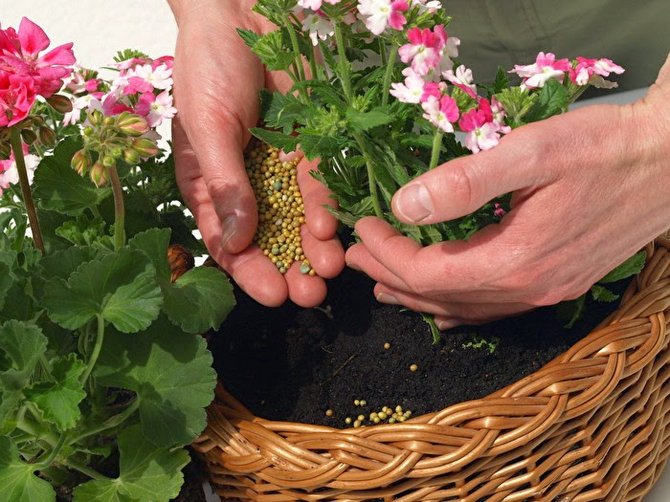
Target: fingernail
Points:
(448, 324)
(386, 298)
(228, 230)
(413, 202)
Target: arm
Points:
(217, 84)
(591, 187)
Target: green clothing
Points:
(634, 35)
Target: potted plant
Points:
(104, 375)
(555, 433)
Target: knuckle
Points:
(461, 185)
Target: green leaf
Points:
(570, 311)
(318, 145)
(250, 37)
(284, 111)
(602, 294)
(552, 100)
(272, 51)
(631, 266)
(146, 473)
(18, 482)
(120, 286)
(501, 81)
(364, 121)
(172, 375)
(200, 299)
(6, 282)
(276, 139)
(22, 344)
(59, 399)
(57, 187)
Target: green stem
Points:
(84, 469)
(298, 58)
(313, 68)
(53, 454)
(388, 75)
(110, 422)
(382, 50)
(119, 210)
(372, 180)
(430, 320)
(437, 146)
(343, 63)
(27, 425)
(17, 147)
(96, 349)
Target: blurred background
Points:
(100, 28)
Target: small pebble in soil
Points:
(387, 346)
(413, 367)
(329, 412)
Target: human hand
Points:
(590, 188)
(216, 86)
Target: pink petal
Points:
(60, 55)
(32, 37)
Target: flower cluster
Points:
(142, 86)
(25, 74)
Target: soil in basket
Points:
(293, 364)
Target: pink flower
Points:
(462, 79)
(435, 89)
(318, 26)
(442, 113)
(592, 71)
(156, 108)
(412, 90)
(9, 175)
(498, 210)
(159, 77)
(315, 4)
(378, 14)
(137, 85)
(88, 102)
(17, 95)
(483, 133)
(431, 6)
(545, 67)
(19, 54)
(424, 50)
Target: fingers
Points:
(463, 185)
(305, 290)
(320, 222)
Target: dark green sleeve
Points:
(508, 32)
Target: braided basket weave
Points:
(590, 425)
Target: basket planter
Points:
(589, 425)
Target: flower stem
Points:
(96, 350)
(372, 180)
(15, 140)
(388, 75)
(53, 454)
(437, 146)
(343, 62)
(84, 469)
(298, 58)
(119, 210)
(111, 422)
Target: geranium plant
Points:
(104, 376)
(380, 96)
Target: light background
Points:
(99, 28)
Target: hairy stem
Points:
(96, 350)
(119, 210)
(372, 179)
(343, 63)
(17, 148)
(437, 146)
(388, 75)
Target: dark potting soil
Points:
(293, 364)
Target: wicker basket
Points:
(590, 425)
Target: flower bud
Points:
(132, 125)
(108, 161)
(131, 157)
(116, 151)
(145, 147)
(80, 162)
(109, 121)
(47, 136)
(60, 103)
(99, 175)
(28, 136)
(88, 131)
(95, 117)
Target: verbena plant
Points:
(379, 95)
(104, 376)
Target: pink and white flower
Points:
(424, 50)
(483, 133)
(592, 71)
(20, 55)
(546, 67)
(429, 6)
(159, 77)
(462, 78)
(158, 108)
(315, 5)
(88, 102)
(380, 14)
(442, 113)
(412, 90)
(9, 174)
(319, 27)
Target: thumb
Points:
(463, 185)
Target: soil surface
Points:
(293, 364)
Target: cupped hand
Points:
(590, 188)
(217, 81)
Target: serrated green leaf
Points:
(199, 300)
(276, 139)
(631, 266)
(22, 344)
(6, 282)
(59, 399)
(57, 187)
(552, 100)
(284, 111)
(146, 473)
(62, 263)
(18, 482)
(501, 81)
(272, 51)
(318, 145)
(602, 294)
(250, 37)
(172, 375)
(121, 287)
(365, 121)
